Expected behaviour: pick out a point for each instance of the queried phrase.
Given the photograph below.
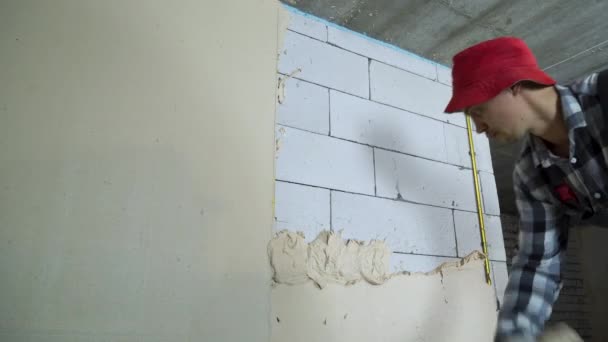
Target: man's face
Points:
(502, 118)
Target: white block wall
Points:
(363, 146)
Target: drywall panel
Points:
(136, 169)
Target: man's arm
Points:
(534, 282)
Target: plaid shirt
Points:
(552, 194)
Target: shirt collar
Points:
(574, 118)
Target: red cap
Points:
(482, 71)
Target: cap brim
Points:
(480, 92)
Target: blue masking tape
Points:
(375, 41)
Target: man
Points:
(560, 177)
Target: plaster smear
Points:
(342, 291)
(328, 259)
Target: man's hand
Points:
(560, 333)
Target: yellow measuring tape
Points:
(482, 230)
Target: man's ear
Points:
(516, 88)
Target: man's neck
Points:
(549, 123)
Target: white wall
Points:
(363, 146)
(136, 163)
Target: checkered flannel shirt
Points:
(552, 194)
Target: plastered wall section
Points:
(363, 146)
(136, 170)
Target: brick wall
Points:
(572, 306)
(363, 146)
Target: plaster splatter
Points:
(331, 259)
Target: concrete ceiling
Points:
(569, 38)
